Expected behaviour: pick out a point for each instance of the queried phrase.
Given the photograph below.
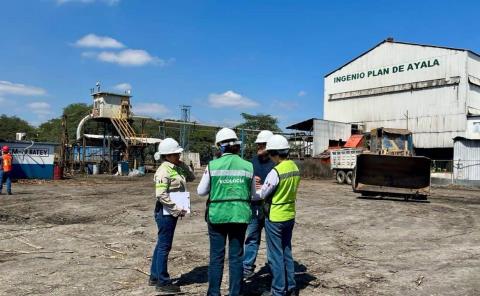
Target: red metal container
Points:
(57, 172)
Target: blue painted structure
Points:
(31, 160)
(94, 154)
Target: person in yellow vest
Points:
(171, 176)
(228, 182)
(280, 191)
(6, 170)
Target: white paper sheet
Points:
(181, 199)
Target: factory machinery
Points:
(385, 167)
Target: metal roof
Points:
(28, 142)
(458, 138)
(307, 125)
(390, 40)
(100, 93)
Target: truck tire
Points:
(340, 177)
(349, 177)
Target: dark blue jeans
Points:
(218, 234)
(5, 177)
(280, 260)
(166, 228)
(254, 237)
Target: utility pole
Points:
(185, 128)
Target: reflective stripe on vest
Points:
(172, 173)
(230, 186)
(7, 162)
(283, 201)
(231, 173)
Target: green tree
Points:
(259, 122)
(52, 129)
(9, 126)
(75, 113)
(255, 122)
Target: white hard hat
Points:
(277, 142)
(263, 136)
(226, 134)
(169, 146)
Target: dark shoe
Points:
(293, 292)
(168, 288)
(9, 193)
(248, 274)
(152, 282)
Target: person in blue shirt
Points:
(262, 165)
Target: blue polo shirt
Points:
(262, 166)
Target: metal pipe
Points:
(80, 126)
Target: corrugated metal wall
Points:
(466, 159)
(324, 131)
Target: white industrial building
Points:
(466, 161)
(320, 134)
(433, 91)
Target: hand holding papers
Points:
(181, 199)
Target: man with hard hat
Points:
(279, 192)
(6, 170)
(262, 165)
(228, 182)
(171, 176)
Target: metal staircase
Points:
(126, 131)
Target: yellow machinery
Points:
(390, 169)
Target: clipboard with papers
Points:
(181, 199)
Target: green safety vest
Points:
(230, 190)
(282, 203)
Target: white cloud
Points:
(230, 99)
(11, 88)
(92, 40)
(40, 108)
(285, 104)
(153, 109)
(108, 2)
(302, 93)
(123, 86)
(127, 57)
(89, 54)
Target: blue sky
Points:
(220, 57)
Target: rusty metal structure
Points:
(119, 141)
(389, 168)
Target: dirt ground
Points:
(95, 236)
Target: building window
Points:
(476, 127)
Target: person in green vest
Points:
(280, 191)
(228, 182)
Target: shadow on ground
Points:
(262, 280)
(198, 275)
(390, 198)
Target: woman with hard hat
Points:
(279, 192)
(228, 181)
(171, 176)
